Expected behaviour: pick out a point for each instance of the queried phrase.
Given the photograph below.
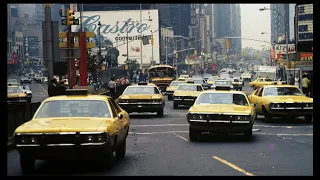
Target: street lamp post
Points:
(286, 22)
(99, 39)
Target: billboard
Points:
(282, 48)
(114, 32)
(305, 22)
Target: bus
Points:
(162, 76)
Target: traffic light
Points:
(71, 20)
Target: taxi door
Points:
(259, 83)
(258, 100)
(122, 125)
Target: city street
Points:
(161, 146)
(39, 92)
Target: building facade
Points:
(280, 16)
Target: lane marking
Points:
(42, 88)
(181, 137)
(162, 125)
(232, 166)
(168, 132)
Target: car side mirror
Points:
(120, 116)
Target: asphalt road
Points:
(39, 92)
(160, 146)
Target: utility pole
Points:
(189, 46)
(70, 50)
(99, 38)
(48, 53)
(166, 48)
(141, 38)
(152, 48)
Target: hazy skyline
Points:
(253, 22)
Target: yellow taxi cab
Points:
(184, 76)
(142, 97)
(260, 82)
(182, 79)
(172, 87)
(73, 126)
(211, 80)
(221, 111)
(186, 94)
(13, 82)
(16, 95)
(282, 101)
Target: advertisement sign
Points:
(193, 15)
(118, 27)
(305, 22)
(306, 56)
(282, 48)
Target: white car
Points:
(26, 89)
(246, 76)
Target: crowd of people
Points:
(56, 88)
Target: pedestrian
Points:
(112, 87)
(53, 87)
(138, 77)
(61, 88)
(291, 80)
(305, 84)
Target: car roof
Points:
(148, 85)
(78, 97)
(282, 85)
(191, 84)
(224, 91)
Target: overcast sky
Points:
(253, 22)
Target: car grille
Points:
(60, 139)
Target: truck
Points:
(267, 72)
(212, 68)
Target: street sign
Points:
(64, 53)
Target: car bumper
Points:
(219, 127)
(141, 107)
(65, 151)
(169, 93)
(186, 102)
(292, 112)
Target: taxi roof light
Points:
(142, 83)
(75, 92)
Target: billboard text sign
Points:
(118, 27)
(305, 22)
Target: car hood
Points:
(15, 95)
(141, 96)
(172, 88)
(162, 79)
(186, 93)
(66, 124)
(220, 108)
(289, 99)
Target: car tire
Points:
(27, 163)
(170, 98)
(248, 134)
(175, 105)
(121, 150)
(267, 115)
(193, 134)
(160, 113)
(308, 119)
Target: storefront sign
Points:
(306, 56)
(305, 22)
(282, 48)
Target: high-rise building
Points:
(292, 11)
(222, 20)
(278, 22)
(115, 7)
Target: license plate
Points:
(139, 106)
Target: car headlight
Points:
(156, 100)
(95, 138)
(123, 100)
(22, 139)
(196, 117)
(309, 105)
(242, 118)
(276, 105)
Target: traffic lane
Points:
(146, 155)
(39, 92)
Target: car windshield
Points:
(12, 81)
(222, 98)
(198, 81)
(14, 90)
(282, 91)
(74, 108)
(183, 87)
(141, 90)
(222, 83)
(176, 83)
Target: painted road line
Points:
(233, 166)
(181, 137)
(42, 88)
(168, 132)
(163, 125)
